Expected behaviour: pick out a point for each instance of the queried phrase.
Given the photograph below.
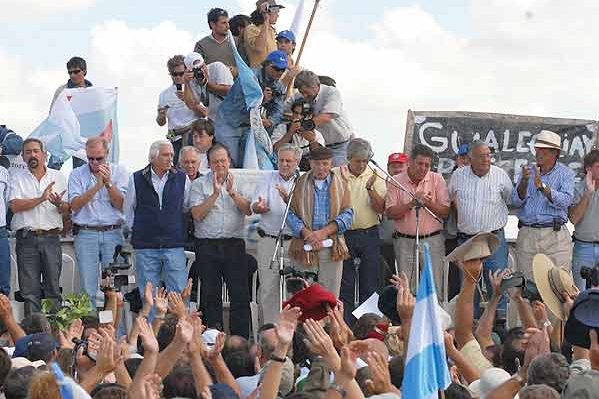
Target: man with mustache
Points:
(36, 199)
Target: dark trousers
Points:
(38, 257)
(218, 260)
(4, 262)
(365, 246)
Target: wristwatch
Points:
(543, 187)
(108, 185)
(275, 358)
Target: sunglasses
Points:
(98, 159)
(177, 74)
(74, 71)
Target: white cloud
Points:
(524, 57)
(34, 9)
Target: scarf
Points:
(302, 206)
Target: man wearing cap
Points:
(216, 46)
(259, 37)
(462, 158)
(397, 163)
(430, 188)
(320, 214)
(233, 119)
(480, 194)
(219, 210)
(269, 203)
(286, 44)
(584, 214)
(367, 193)
(327, 113)
(543, 194)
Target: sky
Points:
(529, 57)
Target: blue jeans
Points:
(4, 262)
(156, 265)
(231, 137)
(93, 248)
(584, 254)
(339, 153)
(497, 261)
(365, 246)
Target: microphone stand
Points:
(279, 244)
(419, 205)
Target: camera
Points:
(307, 123)
(198, 74)
(591, 275)
(114, 277)
(273, 8)
(512, 280)
(296, 280)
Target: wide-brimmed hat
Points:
(553, 282)
(548, 139)
(313, 302)
(583, 317)
(482, 245)
(489, 380)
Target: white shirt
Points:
(204, 166)
(281, 129)
(4, 190)
(177, 115)
(158, 183)
(481, 202)
(45, 216)
(271, 221)
(220, 74)
(99, 211)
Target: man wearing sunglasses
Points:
(77, 70)
(96, 194)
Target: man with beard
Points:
(36, 199)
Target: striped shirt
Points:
(481, 202)
(535, 207)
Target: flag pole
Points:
(304, 40)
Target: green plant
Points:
(74, 306)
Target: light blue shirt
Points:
(99, 211)
(3, 195)
(535, 207)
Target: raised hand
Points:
(348, 368)
(184, 332)
(379, 370)
(105, 174)
(287, 323)
(108, 355)
(47, 191)
(590, 182)
(161, 301)
(229, 183)
(177, 305)
(149, 295)
(261, 206)
(594, 350)
(5, 308)
(405, 303)
(320, 344)
(196, 345)
(496, 278)
(538, 182)
(525, 173)
(282, 192)
(216, 350)
(186, 293)
(75, 330)
(216, 185)
(148, 339)
(340, 333)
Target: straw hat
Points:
(548, 139)
(480, 246)
(552, 282)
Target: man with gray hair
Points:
(270, 201)
(327, 113)
(96, 194)
(480, 194)
(367, 192)
(157, 197)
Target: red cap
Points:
(312, 301)
(397, 157)
(379, 331)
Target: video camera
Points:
(518, 280)
(295, 280)
(114, 277)
(591, 275)
(198, 74)
(307, 123)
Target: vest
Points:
(155, 228)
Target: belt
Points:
(262, 234)
(538, 225)
(468, 236)
(336, 144)
(25, 232)
(366, 230)
(98, 228)
(397, 234)
(585, 242)
(175, 133)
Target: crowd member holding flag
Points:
(96, 194)
(286, 44)
(36, 199)
(259, 36)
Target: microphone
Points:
(371, 160)
(297, 173)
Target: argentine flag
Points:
(426, 366)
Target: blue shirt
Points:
(535, 207)
(320, 213)
(99, 211)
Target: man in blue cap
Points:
(286, 43)
(232, 122)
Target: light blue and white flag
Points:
(426, 365)
(298, 17)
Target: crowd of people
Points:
(346, 229)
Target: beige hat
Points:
(552, 282)
(489, 380)
(548, 139)
(480, 246)
(20, 362)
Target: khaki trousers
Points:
(270, 283)
(405, 253)
(329, 272)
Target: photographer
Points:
(299, 131)
(259, 36)
(329, 116)
(206, 85)
(273, 90)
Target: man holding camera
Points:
(300, 131)
(328, 114)
(233, 121)
(543, 193)
(96, 194)
(260, 36)
(36, 201)
(584, 214)
(270, 202)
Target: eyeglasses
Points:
(279, 69)
(74, 71)
(96, 159)
(177, 74)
